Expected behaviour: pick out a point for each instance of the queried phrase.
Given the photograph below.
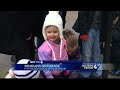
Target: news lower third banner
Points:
(63, 65)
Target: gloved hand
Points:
(84, 37)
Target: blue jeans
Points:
(91, 52)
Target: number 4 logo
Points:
(96, 66)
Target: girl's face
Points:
(53, 34)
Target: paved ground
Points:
(5, 62)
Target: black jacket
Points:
(83, 22)
(16, 26)
(115, 48)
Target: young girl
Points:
(72, 44)
(73, 50)
(54, 47)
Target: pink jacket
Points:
(51, 51)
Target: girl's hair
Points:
(71, 38)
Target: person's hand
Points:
(84, 37)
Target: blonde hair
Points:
(71, 38)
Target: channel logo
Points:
(90, 66)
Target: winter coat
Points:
(115, 48)
(83, 22)
(46, 53)
(16, 27)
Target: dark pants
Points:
(40, 42)
(26, 52)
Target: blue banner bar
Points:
(58, 65)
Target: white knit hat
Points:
(26, 73)
(53, 18)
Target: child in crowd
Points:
(73, 54)
(54, 46)
(72, 44)
(73, 49)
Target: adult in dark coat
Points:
(17, 31)
(86, 21)
(115, 48)
(88, 24)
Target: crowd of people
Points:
(56, 43)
